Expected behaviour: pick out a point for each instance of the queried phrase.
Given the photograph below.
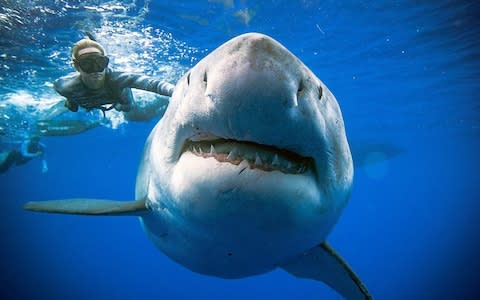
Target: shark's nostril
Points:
(205, 80)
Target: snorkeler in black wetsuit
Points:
(95, 85)
(29, 149)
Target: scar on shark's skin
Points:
(241, 171)
(262, 115)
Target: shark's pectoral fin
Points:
(324, 264)
(95, 207)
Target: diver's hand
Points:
(72, 106)
(122, 107)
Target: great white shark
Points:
(248, 170)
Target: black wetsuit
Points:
(10, 158)
(28, 151)
(116, 89)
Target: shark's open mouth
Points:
(258, 156)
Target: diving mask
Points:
(92, 62)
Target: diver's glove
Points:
(122, 107)
(72, 106)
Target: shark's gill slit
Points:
(188, 78)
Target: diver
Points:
(29, 149)
(96, 86)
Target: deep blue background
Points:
(405, 75)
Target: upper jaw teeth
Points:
(257, 156)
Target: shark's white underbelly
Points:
(236, 225)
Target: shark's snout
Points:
(258, 68)
(254, 88)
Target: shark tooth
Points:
(300, 169)
(275, 161)
(258, 160)
(289, 166)
(194, 150)
(231, 155)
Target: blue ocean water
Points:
(406, 76)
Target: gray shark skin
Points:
(248, 170)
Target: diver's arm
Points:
(125, 102)
(142, 82)
(42, 146)
(64, 86)
(25, 153)
(24, 149)
(43, 157)
(71, 105)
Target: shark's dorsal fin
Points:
(324, 264)
(85, 206)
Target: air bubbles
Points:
(136, 48)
